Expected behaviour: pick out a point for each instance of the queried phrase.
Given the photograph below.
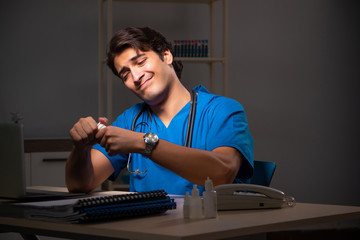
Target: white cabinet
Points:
(45, 161)
(46, 168)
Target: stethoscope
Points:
(189, 131)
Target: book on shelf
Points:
(100, 208)
(191, 48)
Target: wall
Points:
(48, 69)
(293, 66)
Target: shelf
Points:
(169, 1)
(108, 15)
(193, 60)
(200, 60)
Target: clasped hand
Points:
(114, 139)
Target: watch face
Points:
(151, 138)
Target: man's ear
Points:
(168, 57)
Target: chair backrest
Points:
(263, 173)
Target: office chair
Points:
(263, 173)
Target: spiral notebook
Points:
(100, 208)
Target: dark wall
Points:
(293, 65)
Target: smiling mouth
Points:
(144, 82)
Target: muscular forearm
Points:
(79, 171)
(221, 164)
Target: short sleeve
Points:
(229, 127)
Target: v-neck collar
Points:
(160, 123)
(186, 108)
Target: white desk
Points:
(171, 225)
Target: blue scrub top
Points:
(219, 121)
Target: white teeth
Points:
(100, 126)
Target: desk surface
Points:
(171, 225)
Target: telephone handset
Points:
(250, 196)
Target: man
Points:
(221, 146)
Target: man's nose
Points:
(137, 74)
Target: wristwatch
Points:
(151, 139)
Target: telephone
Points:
(250, 196)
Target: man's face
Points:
(145, 74)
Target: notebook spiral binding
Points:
(122, 198)
(123, 206)
(96, 214)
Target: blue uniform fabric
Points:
(219, 122)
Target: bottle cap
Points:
(100, 126)
(187, 196)
(208, 184)
(195, 191)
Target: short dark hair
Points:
(144, 39)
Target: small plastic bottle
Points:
(210, 202)
(196, 209)
(100, 126)
(186, 207)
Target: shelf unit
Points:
(211, 60)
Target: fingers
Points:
(100, 133)
(110, 139)
(117, 140)
(104, 138)
(84, 131)
(103, 120)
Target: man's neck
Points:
(176, 98)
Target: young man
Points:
(150, 137)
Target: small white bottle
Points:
(210, 200)
(196, 209)
(100, 126)
(186, 207)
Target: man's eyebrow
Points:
(136, 57)
(131, 60)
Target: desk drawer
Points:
(48, 168)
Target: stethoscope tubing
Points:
(189, 130)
